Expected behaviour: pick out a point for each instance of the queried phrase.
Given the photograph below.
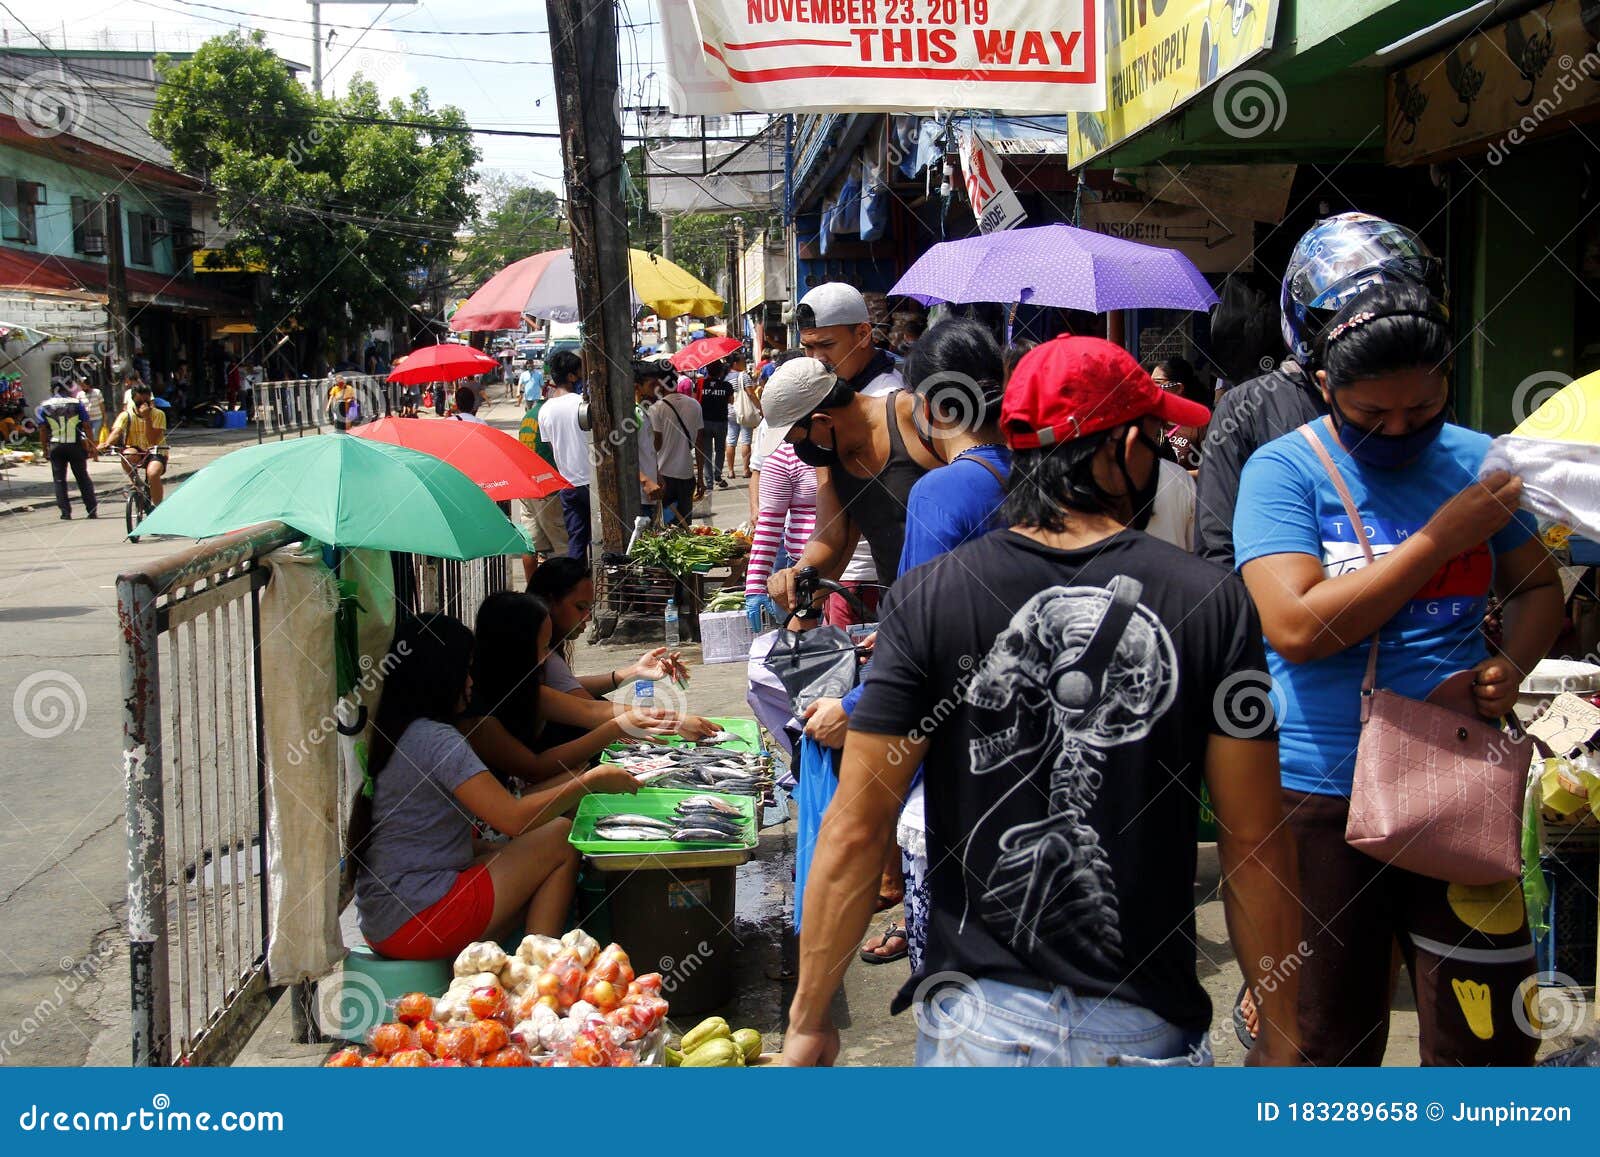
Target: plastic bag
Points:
(815, 664)
(819, 780)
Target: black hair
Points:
(1014, 353)
(914, 325)
(466, 400)
(1051, 483)
(556, 578)
(1384, 329)
(1183, 377)
(506, 675)
(805, 317)
(717, 370)
(957, 366)
(562, 365)
(427, 665)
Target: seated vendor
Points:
(424, 889)
(505, 719)
(567, 589)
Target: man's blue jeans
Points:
(966, 1023)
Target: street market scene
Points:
(748, 534)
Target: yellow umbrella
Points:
(669, 289)
(1570, 413)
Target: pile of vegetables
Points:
(681, 551)
(712, 1044)
(555, 1004)
(726, 599)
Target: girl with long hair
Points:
(424, 888)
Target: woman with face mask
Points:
(1442, 541)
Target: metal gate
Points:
(194, 766)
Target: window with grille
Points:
(19, 202)
(88, 225)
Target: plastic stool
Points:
(364, 989)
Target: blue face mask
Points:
(1387, 451)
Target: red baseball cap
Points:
(1069, 387)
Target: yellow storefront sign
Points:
(1161, 55)
(216, 261)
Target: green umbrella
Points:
(343, 491)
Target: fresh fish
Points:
(636, 835)
(710, 801)
(709, 818)
(705, 835)
(627, 820)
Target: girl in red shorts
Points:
(424, 888)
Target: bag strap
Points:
(970, 456)
(1369, 681)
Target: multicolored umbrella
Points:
(343, 491)
(501, 465)
(445, 362)
(1056, 265)
(704, 351)
(545, 286)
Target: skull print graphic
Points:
(1077, 672)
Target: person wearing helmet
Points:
(1335, 260)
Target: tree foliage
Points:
(513, 221)
(351, 214)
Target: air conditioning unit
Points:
(186, 238)
(94, 243)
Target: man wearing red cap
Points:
(1066, 683)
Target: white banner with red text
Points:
(1021, 56)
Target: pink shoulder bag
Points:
(1437, 792)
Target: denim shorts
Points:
(966, 1023)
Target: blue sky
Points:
(402, 52)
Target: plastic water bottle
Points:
(671, 620)
(644, 693)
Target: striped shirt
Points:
(787, 513)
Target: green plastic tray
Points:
(657, 803)
(746, 736)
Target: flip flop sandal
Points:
(1241, 1027)
(891, 932)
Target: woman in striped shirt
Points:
(786, 514)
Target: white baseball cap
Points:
(793, 391)
(833, 303)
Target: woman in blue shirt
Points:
(1443, 541)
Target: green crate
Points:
(746, 736)
(658, 804)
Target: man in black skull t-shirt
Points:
(716, 394)
(1067, 682)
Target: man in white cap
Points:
(868, 454)
(836, 330)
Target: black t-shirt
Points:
(1068, 696)
(715, 397)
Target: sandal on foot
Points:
(1241, 1027)
(892, 931)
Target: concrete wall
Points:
(78, 329)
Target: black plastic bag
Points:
(815, 664)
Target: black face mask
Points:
(1142, 499)
(814, 455)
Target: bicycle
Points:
(137, 505)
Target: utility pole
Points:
(316, 34)
(117, 287)
(735, 246)
(669, 323)
(583, 40)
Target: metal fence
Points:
(194, 760)
(300, 406)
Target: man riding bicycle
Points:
(142, 430)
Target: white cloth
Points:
(764, 440)
(911, 832)
(1560, 480)
(675, 459)
(1172, 519)
(302, 747)
(648, 467)
(569, 444)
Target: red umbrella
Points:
(445, 362)
(501, 465)
(704, 351)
